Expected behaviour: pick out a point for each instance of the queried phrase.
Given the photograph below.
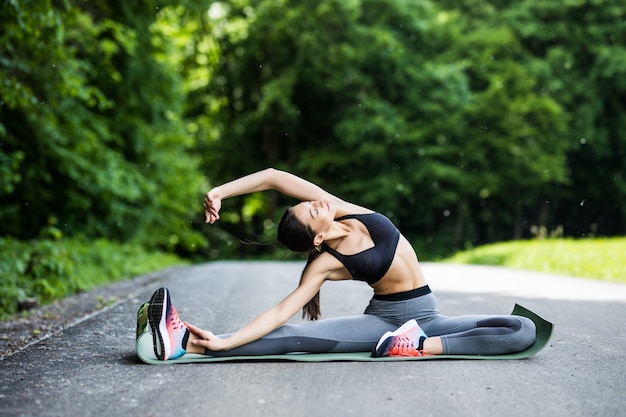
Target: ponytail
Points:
(311, 310)
(299, 237)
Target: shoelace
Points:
(175, 322)
(404, 346)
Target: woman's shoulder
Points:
(348, 209)
(330, 267)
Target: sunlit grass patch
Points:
(602, 259)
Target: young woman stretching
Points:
(344, 241)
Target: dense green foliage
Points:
(465, 122)
(92, 142)
(460, 120)
(601, 258)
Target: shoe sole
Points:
(157, 314)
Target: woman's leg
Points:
(481, 335)
(469, 335)
(343, 334)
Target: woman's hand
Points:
(205, 339)
(212, 205)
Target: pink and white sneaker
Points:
(408, 340)
(169, 334)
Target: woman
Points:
(344, 241)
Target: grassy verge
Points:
(53, 269)
(601, 259)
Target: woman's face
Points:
(318, 215)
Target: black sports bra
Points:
(371, 264)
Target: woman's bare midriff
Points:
(404, 274)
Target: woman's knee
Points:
(527, 331)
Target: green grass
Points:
(52, 269)
(602, 259)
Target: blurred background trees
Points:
(465, 122)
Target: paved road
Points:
(90, 369)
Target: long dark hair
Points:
(298, 237)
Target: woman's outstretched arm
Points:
(270, 179)
(313, 278)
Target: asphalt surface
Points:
(90, 368)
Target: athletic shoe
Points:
(408, 340)
(142, 319)
(169, 334)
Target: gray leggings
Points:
(472, 335)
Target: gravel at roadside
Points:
(42, 322)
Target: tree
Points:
(92, 141)
(581, 61)
(361, 92)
